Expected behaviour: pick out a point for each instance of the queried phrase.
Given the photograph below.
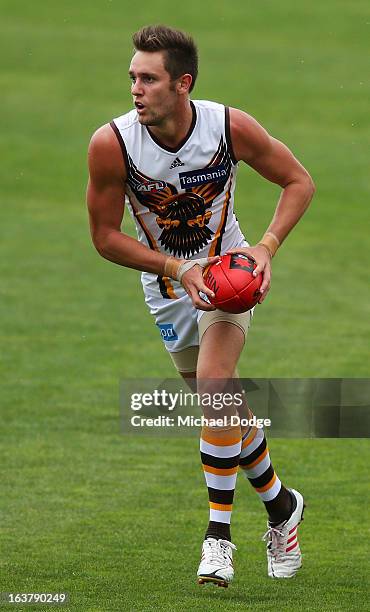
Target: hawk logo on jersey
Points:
(183, 217)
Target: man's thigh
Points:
(186, 360)
(207, 319)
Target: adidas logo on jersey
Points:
(176, 163)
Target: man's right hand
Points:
(193, 282)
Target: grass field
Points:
(118, 520)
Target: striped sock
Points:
(220, 452)
(257, 468)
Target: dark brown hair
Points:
(180, 51)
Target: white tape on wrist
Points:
(190, 263)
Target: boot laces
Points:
(217, 551)
(276, 542)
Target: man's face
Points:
(152, 90)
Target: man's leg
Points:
(220, 347)
(220, 446)
(285, 507)
(257, 467)
(219, 351)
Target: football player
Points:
(174, 161)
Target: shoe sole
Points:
(211, 579)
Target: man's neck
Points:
(175, 129)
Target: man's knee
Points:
(213, 370)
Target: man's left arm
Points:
(275, 162)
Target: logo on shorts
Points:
(167, 332)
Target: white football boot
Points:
(284, 556)
(216, 563)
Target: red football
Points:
(231, 280)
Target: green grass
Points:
(118, 520)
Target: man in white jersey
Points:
(174, 160)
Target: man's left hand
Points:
(262, 257)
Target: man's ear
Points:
(184, 83)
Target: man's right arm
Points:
(105, 200)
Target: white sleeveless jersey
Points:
(181, 199)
